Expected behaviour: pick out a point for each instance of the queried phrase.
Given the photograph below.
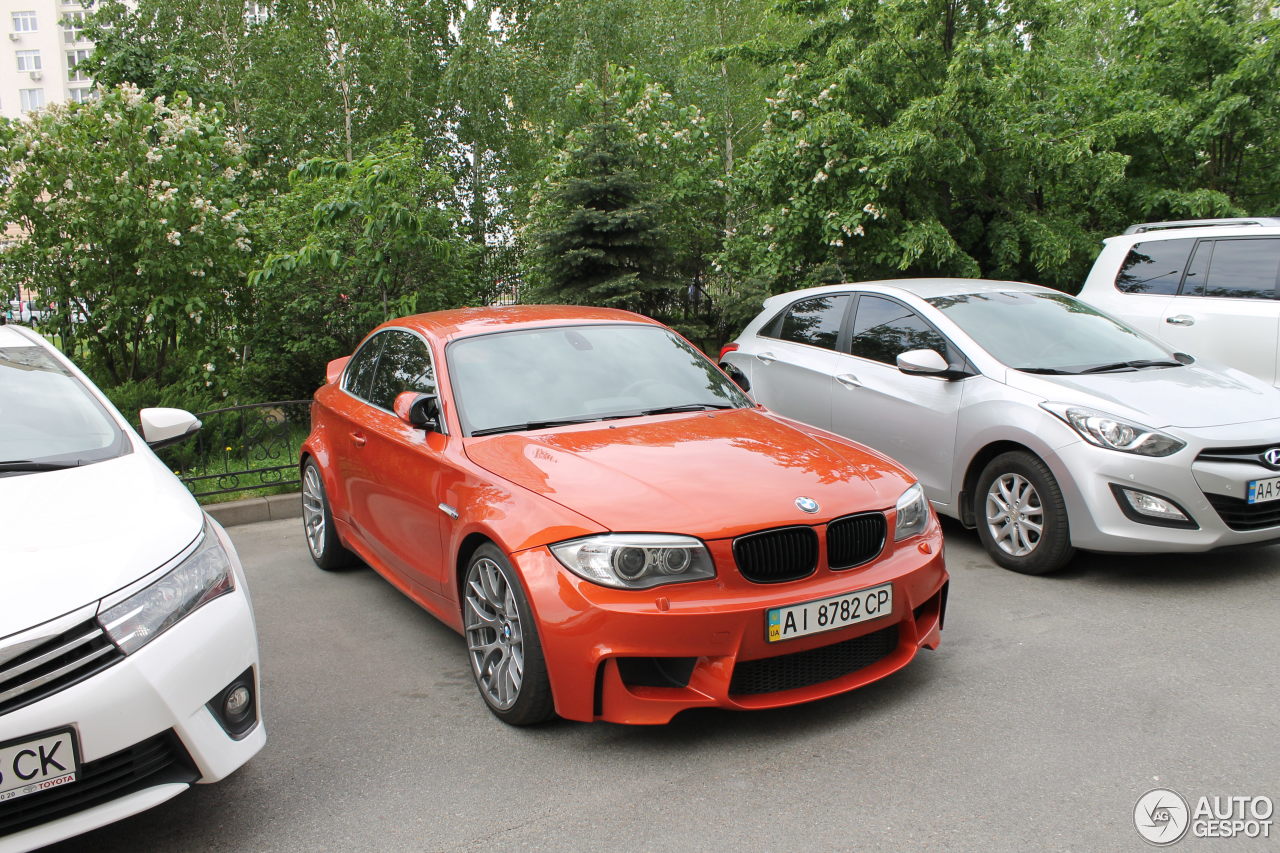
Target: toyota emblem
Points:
(810, 505)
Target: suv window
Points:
(1154, 266)
(360, 368)
(1245, 268)
(405, 365)
(884, 329)
(815, 321)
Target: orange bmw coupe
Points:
(618, 532)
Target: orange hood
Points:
(712, 474)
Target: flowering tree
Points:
(129, 216)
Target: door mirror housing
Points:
(420, 410)
(333, 371)
(162, 427)
(923, 362)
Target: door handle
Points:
(1180, 320)
(766, 357)
(358, 439)
(848, 380)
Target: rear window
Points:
(1238, 269)
(1155, 266)
(815, 321)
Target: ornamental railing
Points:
(250, 448)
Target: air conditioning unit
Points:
(14, 37)
(35, 75)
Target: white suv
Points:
(1207, 287)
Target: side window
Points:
(1154, 266)
(884, 329)
(815, 321)
(1241, 269)
(360, 368)
(405, 365)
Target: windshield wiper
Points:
(535, 425)
(1049, 371)
(1136, 364)
(687, 407)
(29, 465)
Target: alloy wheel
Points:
(1015, 515)
(313, 510)
(495, 639)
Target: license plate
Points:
(827, 614)
(1261, 491)
(37, 764)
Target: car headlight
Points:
(636, 560)
(1103, 430)
(912, 513)
(146, 614)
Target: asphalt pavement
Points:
(1051, 707)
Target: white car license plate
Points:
(1261, 491)
(827, 614)
(36, 764)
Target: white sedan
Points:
(128, 650)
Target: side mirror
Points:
(922, 362)
(333, 371)
(419, 410)
(162, 427)
(739, 378)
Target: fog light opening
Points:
(1151, 509)
(236, 706)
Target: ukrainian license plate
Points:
(37, 764)
(827, 614)
(1261, 491)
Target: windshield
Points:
(48, 419)
(535, 378)
(1050, 333)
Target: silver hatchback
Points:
(1044, 423)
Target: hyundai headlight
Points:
(912, 513)
(146, 614)
(1103, 430)
(636, 560)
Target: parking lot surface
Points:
(1051, 707)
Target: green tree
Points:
(1199, 80)
(933, 137)
(597, 236)
(129, 211)
(365, 241)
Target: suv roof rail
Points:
(1144, 227)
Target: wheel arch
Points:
(976, 463)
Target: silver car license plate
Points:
(1261, 491)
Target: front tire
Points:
(1021, 515)
(326, 550)
(502, 641)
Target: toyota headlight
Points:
(911, 512)
(636, 560)
(1103, 430)
(146, 614)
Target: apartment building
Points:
(42, 43)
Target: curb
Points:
(251, 510)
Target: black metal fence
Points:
(242, 449)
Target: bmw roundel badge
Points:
(807, 504)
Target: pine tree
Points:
(598, 237)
